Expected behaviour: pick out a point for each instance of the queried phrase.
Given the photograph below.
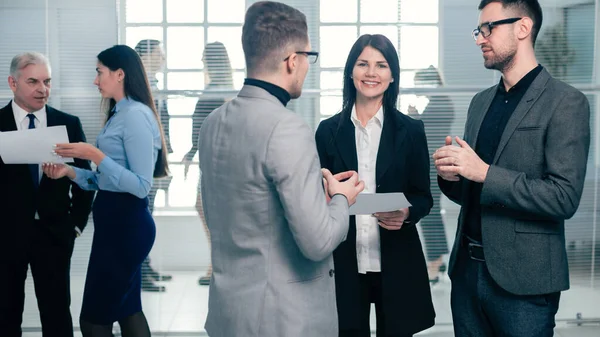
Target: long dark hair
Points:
(385, 47)
(136, 87)
(218, 66)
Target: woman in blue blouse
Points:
(128, 155)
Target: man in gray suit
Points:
(273, 228)
(518, 174)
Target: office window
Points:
(184, 27)
(411, 25)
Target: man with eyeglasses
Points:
(518, 175)
(273, 227)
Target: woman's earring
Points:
(392, 80)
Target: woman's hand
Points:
(392, 220)
(79, 150)
(57, 171)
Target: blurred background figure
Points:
(217, 76)
(437, 116)
(153, 58)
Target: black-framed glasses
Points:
(312, 56)
(485, 29)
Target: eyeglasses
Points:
(312, 56)
(486, 28)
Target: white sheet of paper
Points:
(33, 146)
(369, 203)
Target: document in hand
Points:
(33, 146)
(369, 203)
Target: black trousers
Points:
(370, 292)
(50, 261)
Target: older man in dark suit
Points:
(518, 174)
(39, 217)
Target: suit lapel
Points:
(51, 117)
(478, 116)
(7, 123)
(7, 118)
(528, 100)
(51, 120)
(392, 135)
(472, 127)
(346, 143)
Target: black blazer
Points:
(402, 166)
(61, 204)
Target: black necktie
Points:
(34, 168)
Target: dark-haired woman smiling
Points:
(130, 152)
(381, 260)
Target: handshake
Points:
(345, 183)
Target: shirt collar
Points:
(524, 83)
(378, 118)
(120, 104)
(281, 94)
(20, 113)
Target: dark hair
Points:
(146, 47)
(430, 74)
(218, 65)
(529, 8)
(270, 28)
(385, 47)
(136, 87)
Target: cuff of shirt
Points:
(80, 176)
(110, 168)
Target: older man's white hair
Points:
(20, 61)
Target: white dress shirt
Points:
(22, 122)
(368, 253)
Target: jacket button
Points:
(331, 272)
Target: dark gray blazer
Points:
(534, 183)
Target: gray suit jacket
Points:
(534, 183)
(272, 232)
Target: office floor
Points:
(182, 249)
(181, 310)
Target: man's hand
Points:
(349, 188)
(452, 161)
(441, 173)
(392, 220)
(339, 177)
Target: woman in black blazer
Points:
(381, 261)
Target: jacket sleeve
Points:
(419, 191)
(81, 200)
(293, 166)
(557, 194)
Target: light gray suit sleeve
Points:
(293, 166)
(557, 194)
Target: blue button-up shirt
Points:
(130, 140)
